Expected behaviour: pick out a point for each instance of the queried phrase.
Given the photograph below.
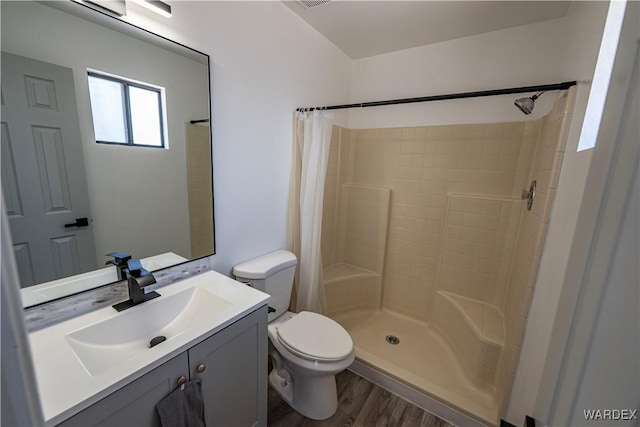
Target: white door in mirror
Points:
(45, 185)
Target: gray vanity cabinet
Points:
(134, 404)
(233, 367)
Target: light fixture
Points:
(112, 7)
(156, 6)
(308, 4)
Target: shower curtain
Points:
(312, 139)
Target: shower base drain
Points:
(392, 339)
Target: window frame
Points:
(127, 109)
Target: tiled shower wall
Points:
(364, 217)
(336, 168)
(199, 189)
(355, 218)
(451, 186)
(545, 169)
(422, 166)
(479, 236)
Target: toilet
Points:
(307, 349)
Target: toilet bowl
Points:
(304, 368)
(307, 349)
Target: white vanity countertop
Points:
(48, 291)
(66, 386)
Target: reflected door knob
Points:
(200, 369)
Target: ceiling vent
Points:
(308, 4)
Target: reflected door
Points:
(43, 177)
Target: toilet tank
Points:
(273, 274)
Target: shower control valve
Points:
(529, 195)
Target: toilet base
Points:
(313, 397)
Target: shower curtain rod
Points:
(508, 91)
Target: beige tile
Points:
(490, 161)
(420, 133)
(439, 132)
(487, 178)
(407, 134)
(555, 170)
(472, 220)
(492, 146)
(491, 208)
(477, 131)
(474, 147)
(390, 134)
(460, 132)
(514, 130)
(495, 131)
(489, 223)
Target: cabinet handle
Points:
(182, 381)
(200, 369)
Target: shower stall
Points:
(430, 253)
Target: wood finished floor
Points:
(360, 403)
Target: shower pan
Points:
(430, 254)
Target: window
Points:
(602, 76)
(126, 112)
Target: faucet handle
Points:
(120, 259)
(136, 269)
(139, 275)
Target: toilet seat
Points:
(315, 337)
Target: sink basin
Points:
(84, 359)
(113, 341)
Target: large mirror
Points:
(99, 152)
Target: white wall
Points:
(520, 56)
(150, 183)
(612, 368)
(265, 62)
(584, 25)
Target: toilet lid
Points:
(314, 336)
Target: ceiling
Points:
(362, 28)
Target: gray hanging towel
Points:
(183, 407)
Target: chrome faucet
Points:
(137, 279)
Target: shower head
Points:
(526, 104)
